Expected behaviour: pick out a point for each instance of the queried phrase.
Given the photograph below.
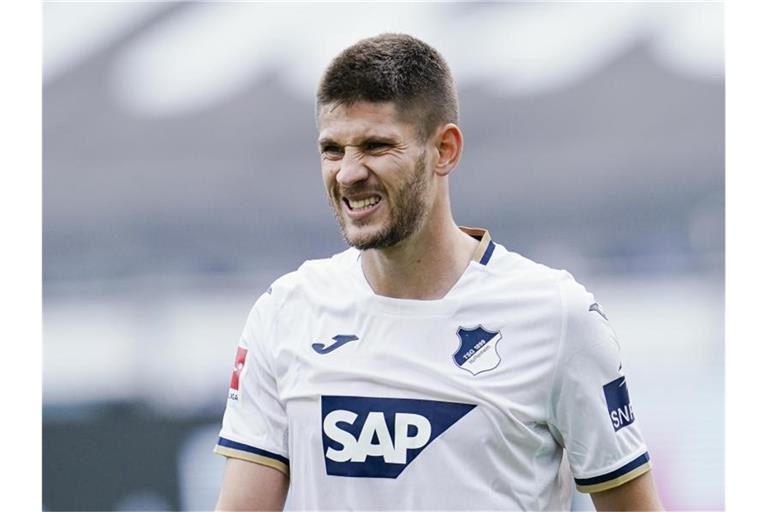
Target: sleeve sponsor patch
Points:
(234, 383)
(617, 399)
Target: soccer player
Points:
(426, 367)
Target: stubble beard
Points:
(408, 209)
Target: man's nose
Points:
(351, 170)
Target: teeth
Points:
(364, 203)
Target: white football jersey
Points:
(467, 402)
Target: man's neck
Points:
(425, 266)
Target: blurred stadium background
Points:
(181, 177)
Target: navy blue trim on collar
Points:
(487, 254)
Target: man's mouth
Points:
(363, 203)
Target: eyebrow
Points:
(325, 141)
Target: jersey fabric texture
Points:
(493, 397)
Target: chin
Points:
(362, 238)
(375, 239)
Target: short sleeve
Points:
(591, 413)
(254, 427)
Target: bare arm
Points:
(637, 494)
(250, 486)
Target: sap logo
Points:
(375, 426)
(622, 417)
(380, 437)
(617, 399)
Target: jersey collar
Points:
(484, 249)
(446, 306)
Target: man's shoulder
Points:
(510, 265)
(516, 272)
(321, 274)
(557, 291)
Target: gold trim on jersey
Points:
(483, 235)
(610, 484)
(252, 457)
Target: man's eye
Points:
(332, 151)
(375, 146)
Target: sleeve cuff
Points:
(615, 478)
(242, 451)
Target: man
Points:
(426, 367)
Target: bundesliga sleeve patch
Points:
(617, 399)
(234, 383)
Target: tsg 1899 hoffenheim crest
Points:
(477, 350)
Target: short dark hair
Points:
(397, 68)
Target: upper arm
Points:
(254, 433)
(637, 494)
(591, 413)
(250, 486)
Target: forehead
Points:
(349, 124)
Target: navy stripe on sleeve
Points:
(615, 474)
(257, 451)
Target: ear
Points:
(449, 143)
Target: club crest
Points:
(477, 349)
